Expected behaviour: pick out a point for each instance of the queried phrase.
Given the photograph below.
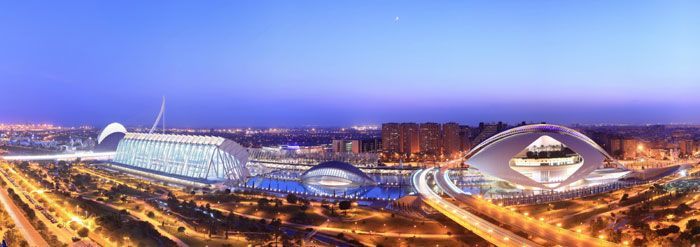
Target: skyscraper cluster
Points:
(432, 139)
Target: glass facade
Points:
(196, 158)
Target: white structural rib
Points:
(160, 115)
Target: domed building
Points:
(336, 174)
(540, 156)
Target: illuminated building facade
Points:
(541, 156)
(336, 174)
(430, 138)
(203, 159)
(451, 141)
(391, 137)
(410, 134)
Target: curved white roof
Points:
(493, 155)
(110, 129)
(196, 157)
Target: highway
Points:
(23, 225)
(479, 226)
(552, 233)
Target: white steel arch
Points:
(110, 129)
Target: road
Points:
(343, 230)
(63, 234)
(553, 234)
(479, 226)
(23, 225)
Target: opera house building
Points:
(543, 156)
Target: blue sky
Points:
(337, 63)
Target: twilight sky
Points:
(337, 63)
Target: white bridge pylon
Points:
(160, 115)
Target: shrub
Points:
(83, 232)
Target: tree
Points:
(181, 229)
(638, 242)
(83, 232)
(278, 203)
(624, 197)
(344, 205)
(263, 202)
(292, 198)
(674, 229)
(150, 214)
(682, 208)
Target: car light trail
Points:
(484, 229)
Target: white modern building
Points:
(336, 174)
(178, 158)
(542, 156)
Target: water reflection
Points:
(389, 187)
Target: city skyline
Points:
(271, 64)
(349, 123)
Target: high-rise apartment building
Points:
(615, 148)
(486, 131)
(465, 135)
(410, 138)
(451, 141)
(391, 138)
(629, 149)
(430, 138)
(686, 148)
